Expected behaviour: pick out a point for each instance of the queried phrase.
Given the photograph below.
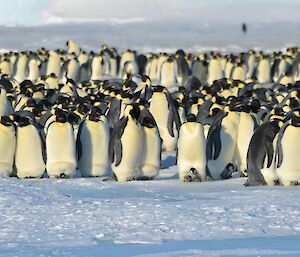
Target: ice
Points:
(165, 217)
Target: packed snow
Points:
(164, 217)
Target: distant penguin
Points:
(7, 145)
(60, 148)
(151, 150)
(54, 64)
(200, 70)
(29, 160)
(261, 155)
(73, 47)
(20, 68)
(168, 75)
(221, 144)
(288, 161)
(214, 70)
(92, 146)
(4, 103)
(97, 68)
(166, 116)
(191, 152)
(126, 146)
(263, 70)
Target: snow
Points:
(165, 217)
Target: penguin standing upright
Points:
(221, 144)
(126, 146)
(151, 149)
(191, 152)
(92, 145)
(29, 159)
(166, 116)
(288, 161)
(261, 155)
(60, 147)
(7, 145)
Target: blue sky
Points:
(38, 12)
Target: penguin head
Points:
(31, 103)
(23, 121)
(7, 121)
(295, 121)
(95, 114)
(191, 118)
(61, 116)
(135, 111)
(148, 122)
(213, 112)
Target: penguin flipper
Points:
(78, 143)
(279, 146)
(115, 144)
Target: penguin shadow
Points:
(168, 162)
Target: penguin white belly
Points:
(191, 151)
(160, 111)
(206, 129)
(289, 171)
(214, 71)
(132, 149)
(29, 158)
(152, 150)
(228, 137)
(94, 139)
(7, 149)
(3, 103)
(60, 145)
(245, 132)
(182, 115)
(53, 66)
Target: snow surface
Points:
(164, 217)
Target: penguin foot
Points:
(63, 175)
(192, 176)
(227, 172)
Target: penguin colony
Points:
(110, 114)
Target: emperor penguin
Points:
(126, 146)
(238, 72)
(54, 64)
(29, 156)
(261, 169)
(7, 145)
(60, 147)
(166, 116)
(182, 70)
(214, 70)
(263, 70)
(191, 152)
(73, 47)
(5, 67)
(245, 128)
(200, 69)
(128, 57)
(152, 148)
(71, 70)
(221, 144)
(97, 68)
(168, 75)
(151, 68)
(92, 145)
(251, 62)
(288, 162)
(33, 69)
(20, 67)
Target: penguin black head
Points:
(61, 116)
(23, 121)
(73, 118)
(83, 109)
(7, 121)
(135, 112)
(31, 103)
(158, 89)
(191, 118)
(295, 121)
(148, 122)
